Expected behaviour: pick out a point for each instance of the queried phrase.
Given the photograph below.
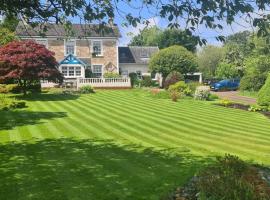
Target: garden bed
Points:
(229, 178)
(243, 107)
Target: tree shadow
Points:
(47, 97)
(13, 118)
(87, 169)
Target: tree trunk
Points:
(24, 87)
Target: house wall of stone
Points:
(109, 60)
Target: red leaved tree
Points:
(28, 62)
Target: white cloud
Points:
(130, 31)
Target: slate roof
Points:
(77, 30)
(136, 54)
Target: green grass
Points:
(118, 145)
(252, 94)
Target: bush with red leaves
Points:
(28, 62)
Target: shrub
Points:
(264, 94)
(87, 89)
(160, 94)
(258, 108)
(147, 81)
(173, 78)
(175, 95)
(9, 88)
(202, 93)
(111, 75)
(133, 78)
(225, 102)
(231, 178)
(252, 82)
(193, 85)
(8, 103)
(213, 97)
(34, 88)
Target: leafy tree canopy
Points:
(209, 58)
(210, 13)
(6, 36)
(154, 36)
(27, 62)
(174, 58)
(226, 71)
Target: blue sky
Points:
(154, 19)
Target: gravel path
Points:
(235, 96)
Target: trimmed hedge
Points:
(264, 93)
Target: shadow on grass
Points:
(13, 118)
(101, 170)
(47, 97)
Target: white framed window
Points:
(43, 42)
(144, 54)
(97, 47)
(71, 71)
(124, 73)
(139, 74)
(64, 70)
(97, 71)
(70, 47)
(78, 71)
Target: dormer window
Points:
(97, 49)
(144, 54)
(70, 47)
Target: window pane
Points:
(71, 71)
(64, 71)
(97, 47)
(97, 71)
(78, 71)
(70, 47)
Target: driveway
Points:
(235, 96)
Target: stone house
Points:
(89, 48)
(86, 48)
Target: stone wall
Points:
(83, 50)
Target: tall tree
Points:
(173, 59)
(27, 62)
(211, 13)
(170, 37)
(146, 37)
(209, 58)
(154, 36)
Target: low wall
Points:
(104, 82)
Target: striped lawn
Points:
(119, 144)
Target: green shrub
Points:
(231, 179)
(193, 85)
(133, 78)
(146, 81)
(175, 95)
(10, 103)
(252, 82)
(202, 93)
(258, 108)
(9, 88)
(87, 89)
(173, 78)
(225, 102)
(180, 86)
(264, 94)
(111, 75)
(213, 97)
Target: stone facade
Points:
(109, 59)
